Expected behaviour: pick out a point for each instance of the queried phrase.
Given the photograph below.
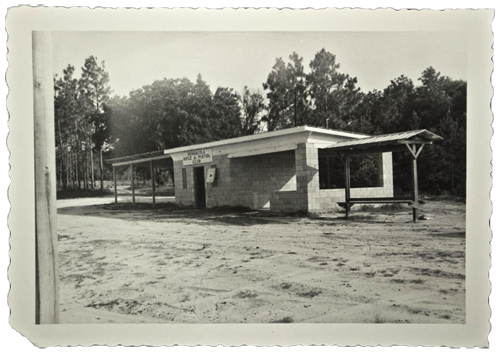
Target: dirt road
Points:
(124, 265)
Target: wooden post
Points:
(415, 183)
(92, 167)
(46, 279)
(102, 169)
(133, 183)
(347, 184)
(77, 162)
(153, 182)
(328, 177)
(114, 181)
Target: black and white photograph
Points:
(275, 177)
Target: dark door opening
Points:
(199, 187)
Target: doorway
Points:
(199, 187)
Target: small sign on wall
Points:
(194, 157)
(211, 174)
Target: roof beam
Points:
(411, 141)
(368, 150)
(262, 151)
(413, 150)
(138, 161)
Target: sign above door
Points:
(195, 157)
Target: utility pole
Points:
(47, 280)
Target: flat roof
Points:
(263, 135)
(157, 154)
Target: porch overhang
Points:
(392, 142)
(143, 159)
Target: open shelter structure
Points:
(413, 141)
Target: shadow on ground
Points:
(165, 212)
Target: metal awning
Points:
(143, 158)
(384, 142)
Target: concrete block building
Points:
(279, 170)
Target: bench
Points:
(388, 200)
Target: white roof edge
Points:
(337, 132)
(263, 135)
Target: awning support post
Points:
(415, 181)
(347, 184)
(328, 178)
(114, 182)
(133, 183)
(152, 182)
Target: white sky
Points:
(236, 59)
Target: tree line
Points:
(81, 121)
(175, 112)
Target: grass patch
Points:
(232, 209)
(382, 208)
(366, 207)
(437, 273)
(91, 193)
(447, 198)
(142, 206)
(246, 294)
(109, 304)
(302, 214)
(299, 213)
(310, 293)
(285, 285)
(78, 278)
(450, 290)
(393, 207)
(361, 217)
(147, 191)
(379, 318)
(285, 320)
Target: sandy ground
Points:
(128, 265)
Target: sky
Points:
(238, 59)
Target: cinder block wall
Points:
(309, 197)
(183, 196)
(307, 176)
(285, 181)
(254, 179)
(307, 162)
(247, 181)
(328, 198)
(220, 192)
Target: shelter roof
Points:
(386, 141)
(136, 156)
